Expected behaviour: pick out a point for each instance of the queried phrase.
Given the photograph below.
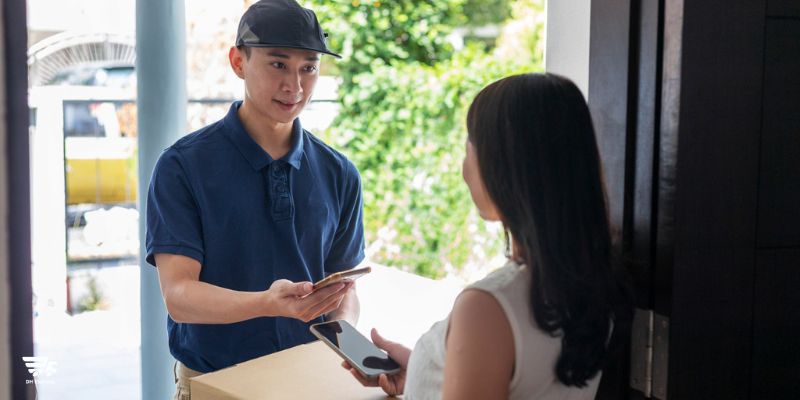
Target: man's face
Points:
(278, 81)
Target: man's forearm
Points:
(202, 303)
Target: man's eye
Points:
(278, 65)
(311, 68)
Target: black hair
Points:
(246, 50)
(537, 156)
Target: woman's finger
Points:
(362, 379)
(387, 385)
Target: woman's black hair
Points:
(537, 156)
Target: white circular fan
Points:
(68, 51)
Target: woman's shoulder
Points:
(480, 312)
(503, 279)
(482, 345)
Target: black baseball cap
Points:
(281, 23)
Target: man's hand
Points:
(189, 300)
(298, 300)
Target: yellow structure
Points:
(101, 180)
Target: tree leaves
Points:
(404, 96)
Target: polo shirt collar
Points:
(295, 154)
(251, 151)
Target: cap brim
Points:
(288, 46)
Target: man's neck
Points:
(274, 137)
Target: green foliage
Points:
(486, 12)
(373, 34)
(522, 36)
(404, 98)
(403, 127)
(94, 300)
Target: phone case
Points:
(340, 276)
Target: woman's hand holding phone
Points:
(392, 384)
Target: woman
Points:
(539, 326)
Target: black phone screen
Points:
(351, 343)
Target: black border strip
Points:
(15, 41)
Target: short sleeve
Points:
(173, 219)
(347, 249)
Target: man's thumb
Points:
(299, 289)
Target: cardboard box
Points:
(310, 371)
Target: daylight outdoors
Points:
(395, 105)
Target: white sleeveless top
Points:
(535, 351)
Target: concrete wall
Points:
(567, 47)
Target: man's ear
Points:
(236, 58)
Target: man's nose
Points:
(291, 83)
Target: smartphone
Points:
(342, 276)
(359, 351)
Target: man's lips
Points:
(286, 105)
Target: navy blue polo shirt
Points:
(216, 196)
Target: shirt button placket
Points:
(279, 190)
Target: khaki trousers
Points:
(183, 390)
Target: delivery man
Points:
(243, 214)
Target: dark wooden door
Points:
(697, 108)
